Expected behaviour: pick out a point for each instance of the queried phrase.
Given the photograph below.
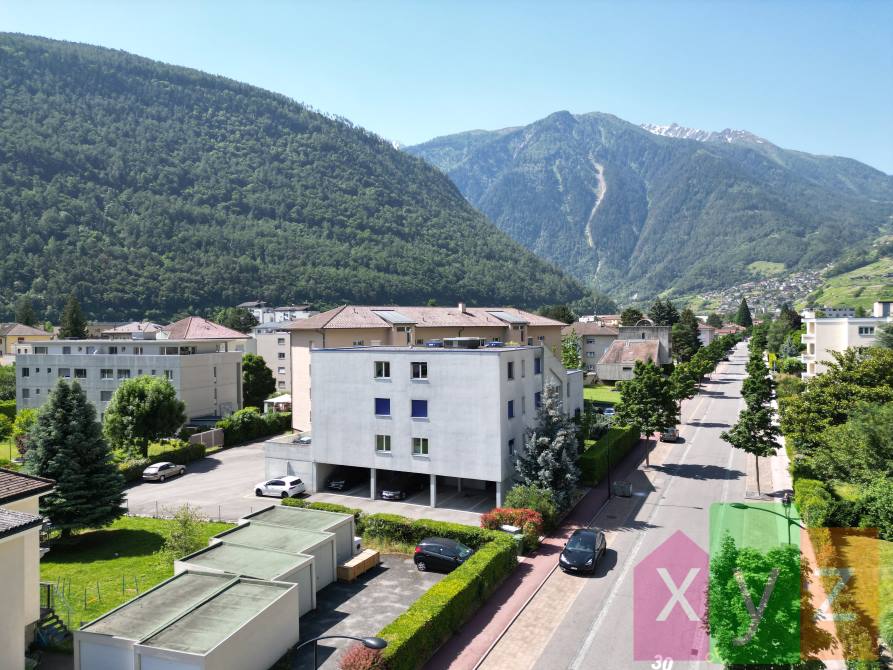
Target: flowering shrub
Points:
(358, 657)
(529, 521)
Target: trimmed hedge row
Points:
(616, 443)
(359, 517)
(174, 451)
(249, 423)
(415, 635)
(529, 521)
(8, 408)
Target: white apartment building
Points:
(824, 335)
(455, 415)
(265, 314)
(199, 358)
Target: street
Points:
(581, 623)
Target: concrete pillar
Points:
(459, 484)
(433, 490)
(499, 494)
(372, 486)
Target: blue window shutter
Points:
(511, 409)
(420, 409)
(383, 406)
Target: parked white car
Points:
(158, 472)
(281, 487)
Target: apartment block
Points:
(273, 344)
(595, 338)
(824, 335)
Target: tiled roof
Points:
(20, 330)
(18, 485)
(590, 328)
(705, 326)
(134, 327)
(12, 522)
(360, 316)
(197, 328)
(630, 351)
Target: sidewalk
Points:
(467, 647)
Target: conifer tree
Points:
(66, 445)
(25, 312)
(630, 316)
(663, 313)
(744, 317)
(549, 457)
(647, 402)
(73, 323)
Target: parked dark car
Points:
(400, 487)
(344, 479)
(582, 551)
(439, 553)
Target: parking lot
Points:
(362, 608)
(221, 486)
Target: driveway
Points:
(221, 486)
(361, 608)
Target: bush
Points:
(791, 366)
(358, 515)
(358, 657)
(132, 468)
(876, 507)
(536, 498)
(175, 451)
(814, 501)
(788, 385)
(886, 629)
(416, 634)
(529, 521)
(8, 409)
(408, 531)
(249, 423)
(614, 445)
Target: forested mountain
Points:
(637, 211)
(151, 190)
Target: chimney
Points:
(462, 307)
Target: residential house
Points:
(201, 359)
(135, 330)
(272, 343)
(283, 314)
(706, 334)
(20, 554)
(824, 335)
(361, 326)
(12, 334)
(610, 320)
(455, 413)
(641, 342)
(595, 338)
(95, 329)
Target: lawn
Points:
(103, 568)
(604, 394)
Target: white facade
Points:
(449, 413)
(824, 335)
(274, 346)
(207, 375)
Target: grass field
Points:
(103, 568)
(766, 268)
(861, 287)
(605, 394)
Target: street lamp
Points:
(786, 503)
(368, 642)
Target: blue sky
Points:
(815, 76)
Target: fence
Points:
(82, 600)
(209, 438)
(226, 512)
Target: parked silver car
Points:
(158, 472)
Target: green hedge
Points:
(132, 468)
(174, 451)
(415, 635)
(814, 501)
(617, 442)
(8, 408)
(249, 423)
(358, 515)
(411, 531)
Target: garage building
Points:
(343, 526)
(194, 621)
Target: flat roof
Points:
(422, 350)
(237, 559)
(298, 517)
(268, 536)
(216, 619)
(147, 612)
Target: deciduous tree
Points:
(142, 409)
(236, 318)
(685, 336)
(630, 316)
(714, 320)
(257, 381)
(647, 402)
(572, 351)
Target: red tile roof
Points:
(630, 351)
(18, 485)
(590, 328)
(361, 316)
(197, 328)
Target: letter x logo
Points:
(678, 594)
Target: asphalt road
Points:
(587, 623)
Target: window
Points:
(529, 341)
(382, 407)
(281, 355)
(523, 404)
(420, 446)
(138, 351)
(123, 374)
(420, 341)
(281, 384)
(106, 373)
(40, 350)
(419, 370)
(80, 373)
(523, 368)
(511, 370)
(358, 343)
(866, 330)
(169, 351)
(542, 338)
(36, 391)
(91, 350)
(105, 396)
(215, 372)
(280, 341)
(538, 365)
(537, 399)
(280, 370)
(66, 350)
(382, 369)
(511, 447)
(65, 372)
(27, 372)
(383, 444)
(26, 393)
(590, 340)
(511, 409)
(590, 354)
(568, 389)
(114, 350)
(419, 409)
(169, 375)
(139, 372)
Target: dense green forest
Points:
(633, 212)
(151, 190)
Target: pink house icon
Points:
(670, 602)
